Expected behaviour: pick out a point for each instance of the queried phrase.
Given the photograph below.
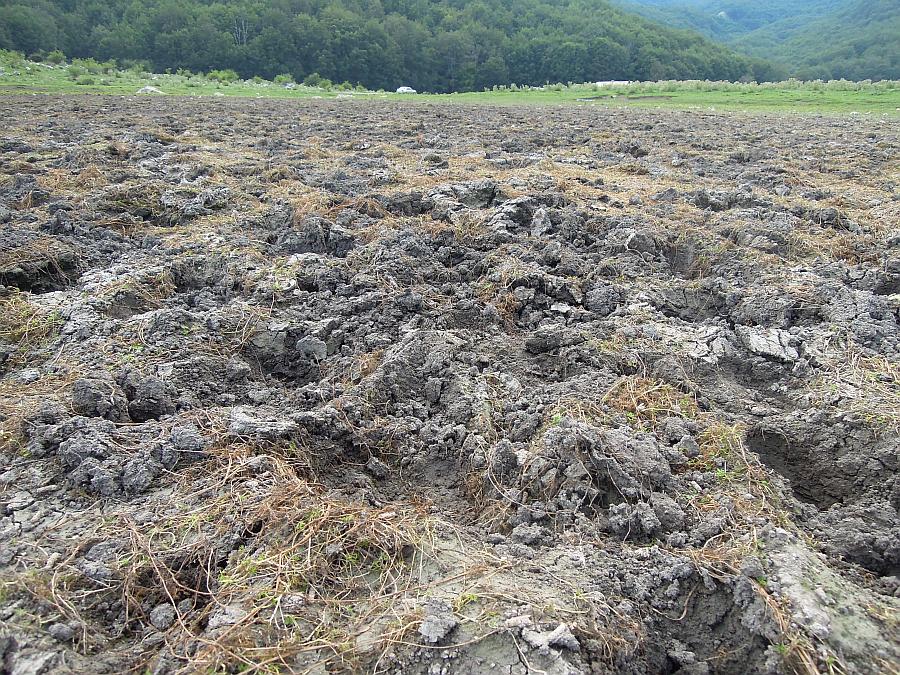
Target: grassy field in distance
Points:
(18, 76)
(762, 99)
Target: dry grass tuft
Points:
(466, 226)
(18, 401)
(866, 386)
(43, 256)
(23, 324)
(647, 402)
(292, 574)
(152, 289)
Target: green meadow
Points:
(18, 76)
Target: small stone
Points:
(187, 439)
(29, 375)
(148, 396)
(433, 389)
(560, 637)
(378, 468)
(523, 621)
(313, 346)
(162, 616)
(98, 398)
(439, 621)
(226, 616)
(61, 632)
(7, 553)
(245, 424)
(689, 446)
(528, 534)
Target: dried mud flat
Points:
(340, 387)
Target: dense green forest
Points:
(434, 45)
(730, 20)
(825, 39)
(859, 41)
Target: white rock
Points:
(770, 342)
(226, 616)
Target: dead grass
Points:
(244, 321)
(646, 402)
(312, 202)
(364, 205)
(47, 256)
(73, 183)
(18, 401)
(313, 571)
(359, 368)
(865, 386)
(141, 200)
(152, 289)
(466, 226)
(24, 324)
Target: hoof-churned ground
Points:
(332, 387)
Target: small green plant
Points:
(312, 80)
(284, 78)
(88, 66)
(56, 57)
(223, 76)
(75, 71)
(464, 600)
(726, 475)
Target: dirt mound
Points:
(354, 387)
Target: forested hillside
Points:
(853, 39)
(859, 41)
(730, 20)
(439, 45)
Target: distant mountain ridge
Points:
(853, 39)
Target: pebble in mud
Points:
(61, 632)
(439, 621)
(162, 616)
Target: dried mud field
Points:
(341, 387)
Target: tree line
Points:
(812, 39)
(432, 45)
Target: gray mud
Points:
(334, 386)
